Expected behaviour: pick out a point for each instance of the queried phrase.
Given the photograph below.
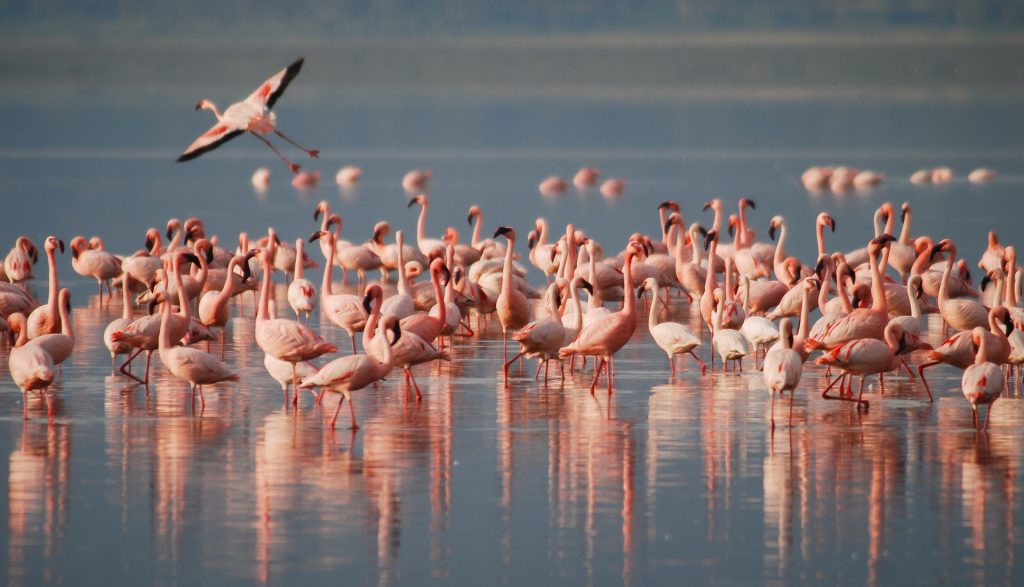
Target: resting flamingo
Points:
(783, 367)
(252, 115)
(606, 335)
(286, 340)
(95, 263)
(982, 382)
(19, 261)
(30, 366)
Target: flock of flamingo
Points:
(870, 324)
(749, 293)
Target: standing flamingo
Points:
(213, 307)
(606, 335)
(961, 313)
(673, 338)
(782, 368)
(430, 247)
(95, 263)
(301, 291)
(866, 356)
(982, 382)
(120, 348)
(30, 366)
(344, 310)
(286, 340)
(61, 344)
(512, 307)
(252, 115)
(46, 319)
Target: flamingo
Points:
(512, 307)
(729, 343)
(19, 261)
(196, 367)
(866, 356)
(252, 115)
(543, 338)
(902, 252)
(759, 331)
(213, 308)
(606, 335)
(427, 326)
(488, 247)
(344, 310)
(957, 350)
(861, 322)
(416, 179)
(782, 367)
(61, 344)
(542, 253)
(408, 352)
(120, 348)
(301, 291)
(46, 319)
(95, 263)
(348, 176)
(286, 340)
(30, 366)
(354, 372)
(673, 338)
(982, 382)
(351, 257)
(960, 313)
(400, 305)
(430, 247)
(992, 257)
(586, 177)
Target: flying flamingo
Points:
(512, 307)
(46, 319)
(286, 340)
(982, 382)
(251, 115)
(30, 366)
(673, 338)
(301, 291)
(606, 335)
(782, 368)
(192, 365)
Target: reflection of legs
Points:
(988, 415)
(314, 153)
(341, 400)
(292, 166)
(772, 409)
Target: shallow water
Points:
(483, 481)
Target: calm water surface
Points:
(485, 481)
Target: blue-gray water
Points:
(483, 482)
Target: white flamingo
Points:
(783, 367)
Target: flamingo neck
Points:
(385, 365)
(403, 281)
(661, 225)
(208, 105)
(823, 289)
(325, 285)
(477, 226)
(890, 223)
(126, 304)
(22, 339)
(982, 354)
(921, 263)
(805, 314)
(65, 320)
(263, 310)
(694, 248)
(915, 304)
(905, 231)
(746, 295)
(370, 330)
(820, 233)
(183, 301)
(743, 237)
(780, 249)
(628, 302)
(298, 260)
(652, 318)
(878, 303)
(709, 280)
(421, 225)
(164, 338)
(229, 287)
(51, 298)
(574, 292)
(593, 301)
(442, 306)
(944, 284)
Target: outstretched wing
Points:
(210, 140)
(270, 90)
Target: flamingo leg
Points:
(352, 410)
(353, 337)
(772, 411)
(295, 386)
(974, 416)
(791, 408)
(920, 371)
(597, 374)
(337, 409)
(703, 365)
(292, 166)
(314, 153)
(825, 395)
(988, 416)
(128, 362)
(509, 363)
(861, 393)
(907, 368)
(49, 404)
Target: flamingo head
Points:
(883, 240)
(733, 222)
(152, 238)
(374, 292)
(774, 226)
(205, 105)
(674, 218)
(531, 239)
(53, 243)
(77, 245)
(825, 220)
(905, 209)
(669, 205)
(474, 212)
(745, 202)
(242, 261)
(713, 204)
(709, 237)
(506, 231)
(418, 199)
(583, 283)
(172, 225)
(392, 323)
(819, 267)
